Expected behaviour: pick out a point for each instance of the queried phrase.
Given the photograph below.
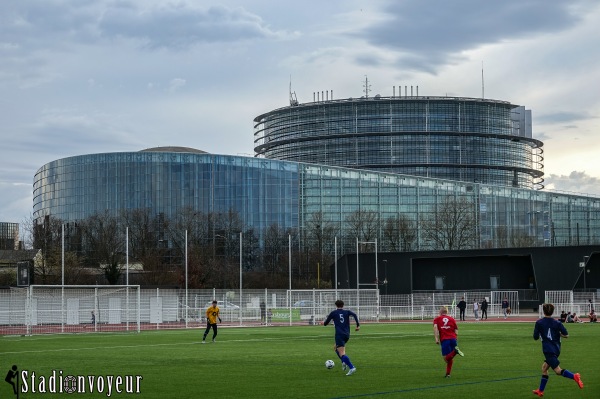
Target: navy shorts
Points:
(340, 340)
(448, 346)
(551, 360)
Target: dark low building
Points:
(540, 269)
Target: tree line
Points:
(98, 249)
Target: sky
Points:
(93, 76)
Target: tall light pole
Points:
(584, 265)
(241, 301)
(290, 275)
(186, 278)
(126, 255)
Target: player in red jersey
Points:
(444, 331)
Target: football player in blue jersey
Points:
(341, 320)
(550, 331)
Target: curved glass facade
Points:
(462, 139)
(291, 195)
(261, 191)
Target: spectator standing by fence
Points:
(476, 310)
(462, 306)
(484, 307)
(505, 307)
(263, 313)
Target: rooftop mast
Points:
(367, 87)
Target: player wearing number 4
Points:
(444, 331)
(341, 320)
(551, 331)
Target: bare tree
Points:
(28, 224)
(47, 237)
(142, 228)
(520, 239)
(320, 238)
(156, 271)
(362, 225)
(399, 233)
(501, 236)
(75, 272)
(275, 249)
(452, 226)
(105, 241)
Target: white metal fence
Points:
(56, 309)
(571, 301)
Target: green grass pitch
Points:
(393, 361)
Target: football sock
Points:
(449, 366)
(450, 356)
(543, 383)
(346, 360)
(567, 373)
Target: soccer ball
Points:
(329, 364)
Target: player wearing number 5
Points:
(212, 314)
(551, 331)
(444, 331)
(341, 320)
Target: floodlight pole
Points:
(186, 278)
(241, 301)
(127, 273)
(63, 253)
(62, 290)
(290, 273)
(585, 261)
(126, 255)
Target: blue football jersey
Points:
(549, 330)
(341, 320)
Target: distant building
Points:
(455, 138)
(386, 169)
(9, 236)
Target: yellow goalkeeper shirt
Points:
(212, 313)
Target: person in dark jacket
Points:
(462, 305)
(484, 306)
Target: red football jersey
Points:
(446, 326)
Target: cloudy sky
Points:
(89, 76)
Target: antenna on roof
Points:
(482, 85)
(293, 99)
(367, 87)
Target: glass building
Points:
(463, 139)
(166, 181)
(9, 236)
(291, 194)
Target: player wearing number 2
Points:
(341, 320)
(551, 331)
(444, 331)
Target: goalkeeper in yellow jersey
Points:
(212, 315)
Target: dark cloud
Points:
(37, 25)
(182, 26)
(50, 23)
(433, 33)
